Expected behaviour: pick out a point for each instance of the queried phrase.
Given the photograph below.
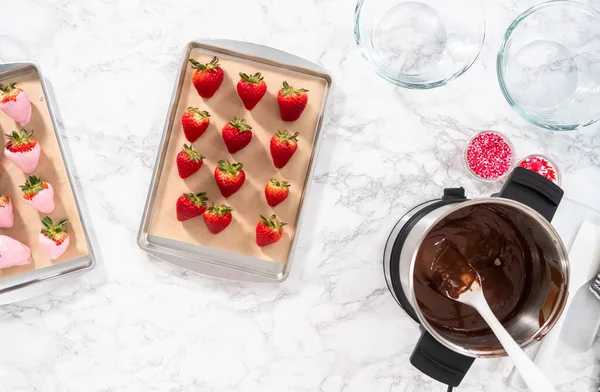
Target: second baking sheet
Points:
(249, 202)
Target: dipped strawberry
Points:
(251, 89)
(15, 103)
(283, 146)
(38, 194)
(7, 216)
(13, 253)
(54, 239)
(276, 191)
(188, 161)
(190, 205)
(23, 151)
(292, 102)
(229, 177)
(217, 217)
(194, 123)
(269, 231)
(236, 135)
(207, 78)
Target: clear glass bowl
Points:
(549, 65)
(420, 44)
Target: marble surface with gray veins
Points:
(137, 324)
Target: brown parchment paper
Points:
(249, 202)
(51, 168)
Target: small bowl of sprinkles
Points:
(543, 166)
(489, 156)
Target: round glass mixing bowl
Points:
(549, 65)
(420, 44)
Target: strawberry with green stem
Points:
(236, 135)
(189, 161)
(276, 191)
(207, 78)
(15, 103)
(194, 123)
(251, 89)
(23, 151)
(269, 231)
(229, 177)
(190, 205)
(283, 145)
(217, 217)
(38, 194)
(54, 239)
(292, 102)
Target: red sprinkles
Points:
(541, 166)
(489, 155)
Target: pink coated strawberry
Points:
(15, 103)
(23, 151)
(38, 194)
(13, 253)
(7, 216)
(54, 239)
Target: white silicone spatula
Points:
(534, 378)
(583, 267)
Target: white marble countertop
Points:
(137, 324)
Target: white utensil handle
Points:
(545, 355)
(534, 378)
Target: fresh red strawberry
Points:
(229, 177)
(207, 78)
(190, 205)
(236, 135)
(188, 161)
(217, 217)
(268, 231)
(276, 191)
(251, 89)
(283, 146)
(292, 102)
(57, 233)
(20, 142)
(194, 123)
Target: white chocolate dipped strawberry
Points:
(54, 240)
(23, 151)
(15, 103)
(7, 216)
(13, 253)
(38, 194)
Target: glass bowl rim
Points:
(501, 57)
(381, 71)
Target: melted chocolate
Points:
(488, 241)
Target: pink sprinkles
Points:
(489, 155)
(541, 166)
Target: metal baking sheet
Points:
(18, 283)
(214, 257)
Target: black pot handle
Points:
(439, 362)
(533, 190)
